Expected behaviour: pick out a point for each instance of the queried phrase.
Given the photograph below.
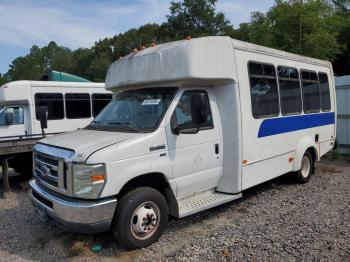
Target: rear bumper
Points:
(76, 215)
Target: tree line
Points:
(315, 28)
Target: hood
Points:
(85, 142)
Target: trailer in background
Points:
(70, 106)
(342, 84)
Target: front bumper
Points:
(81, 216)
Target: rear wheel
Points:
(141, 217)
(306, 169)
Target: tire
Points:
(307, 166)
(132, 232)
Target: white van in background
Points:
(70, 105)
(193, 124)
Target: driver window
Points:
(183, 110)
(18, 117)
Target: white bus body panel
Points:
(268, 157)
(202, 60)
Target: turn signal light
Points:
(97, 178)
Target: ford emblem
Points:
(45, 171)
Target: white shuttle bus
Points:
(193, 124)
(70, 105)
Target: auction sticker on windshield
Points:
(150, 102)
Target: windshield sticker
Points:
(150, 102)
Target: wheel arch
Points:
(157, 181)
(307, 144)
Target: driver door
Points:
(195, 158)
(16, 127)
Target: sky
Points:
(79, 23)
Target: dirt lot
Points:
(276, 221)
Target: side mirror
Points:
(9, 118)
(42, 112)
(186, 130)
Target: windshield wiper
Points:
(118, 123)
(123, 125)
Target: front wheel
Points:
(306, 169)
(141, 217)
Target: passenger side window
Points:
(78, 106)
(311, 91)
(99, 101)
(324, 87)
(263, 90)
(183, 115)
(54, 103)
(290, 93)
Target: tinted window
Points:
(263, 90)
(99, 101)
(183, 110)
(311, 92)
(78, 106)
(290, 94)
(54, 103)
(324, 87)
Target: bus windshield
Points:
(139, 110)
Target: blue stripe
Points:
(280, 125)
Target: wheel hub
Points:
(305, 166)
(144, 220)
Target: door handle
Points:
(216, 148)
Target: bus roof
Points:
(209, 59)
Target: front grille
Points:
(52, 168)
(48, 160)
(47, 169)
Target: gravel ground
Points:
(276, 221)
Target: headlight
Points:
(88, 180)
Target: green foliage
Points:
(341, 65)
(309, 28)
(39, 60)
(3, 80)
(196, 18)
(316, 28)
